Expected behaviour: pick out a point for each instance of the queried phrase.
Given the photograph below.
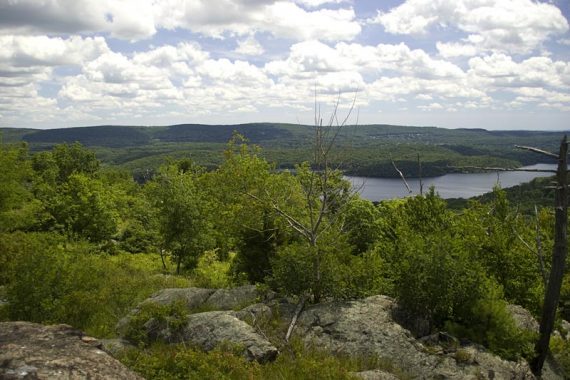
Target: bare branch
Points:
(536, 150)
(296, 225)
(298, 311)
(402, 176)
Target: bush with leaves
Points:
(49, 280)
(342, 274)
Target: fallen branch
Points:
(298, 311)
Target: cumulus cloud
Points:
(29, 51)
(57, 61)
(280, 18)
(318, 3)
(249, 46)
(516, 26)
(127, 19)
(500, 70)
(139, 19)
(311, 57)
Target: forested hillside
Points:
(369, 149)
(82, 243)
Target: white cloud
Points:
(455, 49)
(318, 3)
(431, 107)
(500, 70)
(249, 46)
(242, 17)
(31, 51)
(127, 19)
(517, 26)
(139, 19)
(311, 57)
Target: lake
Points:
(448, 186)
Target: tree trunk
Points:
(558, 261)
(178, 262)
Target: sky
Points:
(493, 64)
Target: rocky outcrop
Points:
(366, 327)
(211, 320)
(209, 330)
(213, 299)
(33, 351)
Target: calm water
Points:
(448, 186)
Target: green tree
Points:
(84, 208)
(184, 214)
(362, 224)
(18, 208)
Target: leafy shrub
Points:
(143, 327)
(181, 362)
(560, 349)
(296, 362)
(211, 272)
(50, 283)
(342, 274)
(436, 280)
(492, 325)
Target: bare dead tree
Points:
(323, 198)
(559, 254)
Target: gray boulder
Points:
(199, 299)
(366, 327)
(208, 329)
(523, 318)
(210, 299)
(33, 351)
(193, 298)
(211, 329)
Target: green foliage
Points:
(302, 233)
(436, 279)
(342, 275)
(560, 348)
(295, 362)
(450, 273)
(180, 362)
(183, 211)
(33, 275)
(50, 283)
(362, 224)
(151, 317)
(492, 325)
(496, 233)
(211, 272)
(16, 171)
(71, 159)
(84, 209)
(18, 208)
